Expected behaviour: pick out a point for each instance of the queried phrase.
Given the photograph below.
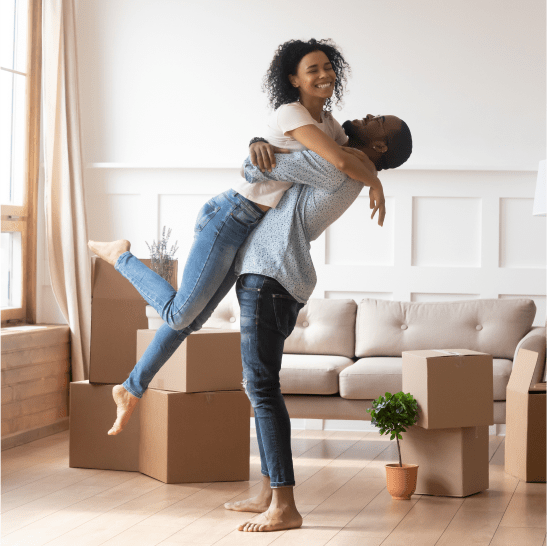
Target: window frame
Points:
(23, 219)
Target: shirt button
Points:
(479, 327)
(232, 319)
(404, 326)
(305, 324)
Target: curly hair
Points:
(287, 56)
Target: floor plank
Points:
(340, 492)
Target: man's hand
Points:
(262, 154)
(378, 203)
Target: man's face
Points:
(372, 133)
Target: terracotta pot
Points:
(401, 481)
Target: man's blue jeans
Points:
(268, 316)
(222, 226)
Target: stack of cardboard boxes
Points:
(449, 442)
(192, 423)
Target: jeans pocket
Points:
(245, 282)
(205, 215)
(286, 310)
(243, 217)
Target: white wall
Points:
(170, 96)
(162, 81)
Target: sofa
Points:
(342, 355)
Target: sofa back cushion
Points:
(324, 327)
(493, 326)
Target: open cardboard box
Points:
(454, 388)
(525, 453)
(117, 312)
(207, 360)
(92, 414)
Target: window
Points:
(20, 72)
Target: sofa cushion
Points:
(311, 374)
(324, 327)
(372, 377)
(493, 326)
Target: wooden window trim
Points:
(24, 219)
(33, 158)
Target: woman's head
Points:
(287, 69)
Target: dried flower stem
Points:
(162, 261)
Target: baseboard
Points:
(363, 426)
(26, 436)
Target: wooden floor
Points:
(341, 492)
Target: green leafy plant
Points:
(393, 413)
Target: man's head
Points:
(385, 139)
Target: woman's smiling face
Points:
(314, 76)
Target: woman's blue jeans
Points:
(268, 316)
(222, 226)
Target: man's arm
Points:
(300, 168)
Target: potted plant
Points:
(393, 413)
(162, 263)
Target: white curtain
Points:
(66, 222)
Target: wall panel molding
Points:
(494, 201)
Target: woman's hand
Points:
(378, 203)
(357, 153)
(364, 158)
(262, 154)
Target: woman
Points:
(308, 71)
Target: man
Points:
(276, 278)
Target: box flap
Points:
(523, 371)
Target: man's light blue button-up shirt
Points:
(279, 247)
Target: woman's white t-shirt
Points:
(286, 118)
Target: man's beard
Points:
(351, 131)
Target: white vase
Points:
(154, 319)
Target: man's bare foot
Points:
(126, 403)
(274, 519)
(257, 504)
(110, 252)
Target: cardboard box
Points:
(117, 312)
(525, 421)
(452, 462)
(207, 360)
(92, 414)
(453, 387)
(195, 437)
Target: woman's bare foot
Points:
(126, 403)
(282, 513)
(257, 504)
(110, 252)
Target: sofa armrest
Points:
(535, 340)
